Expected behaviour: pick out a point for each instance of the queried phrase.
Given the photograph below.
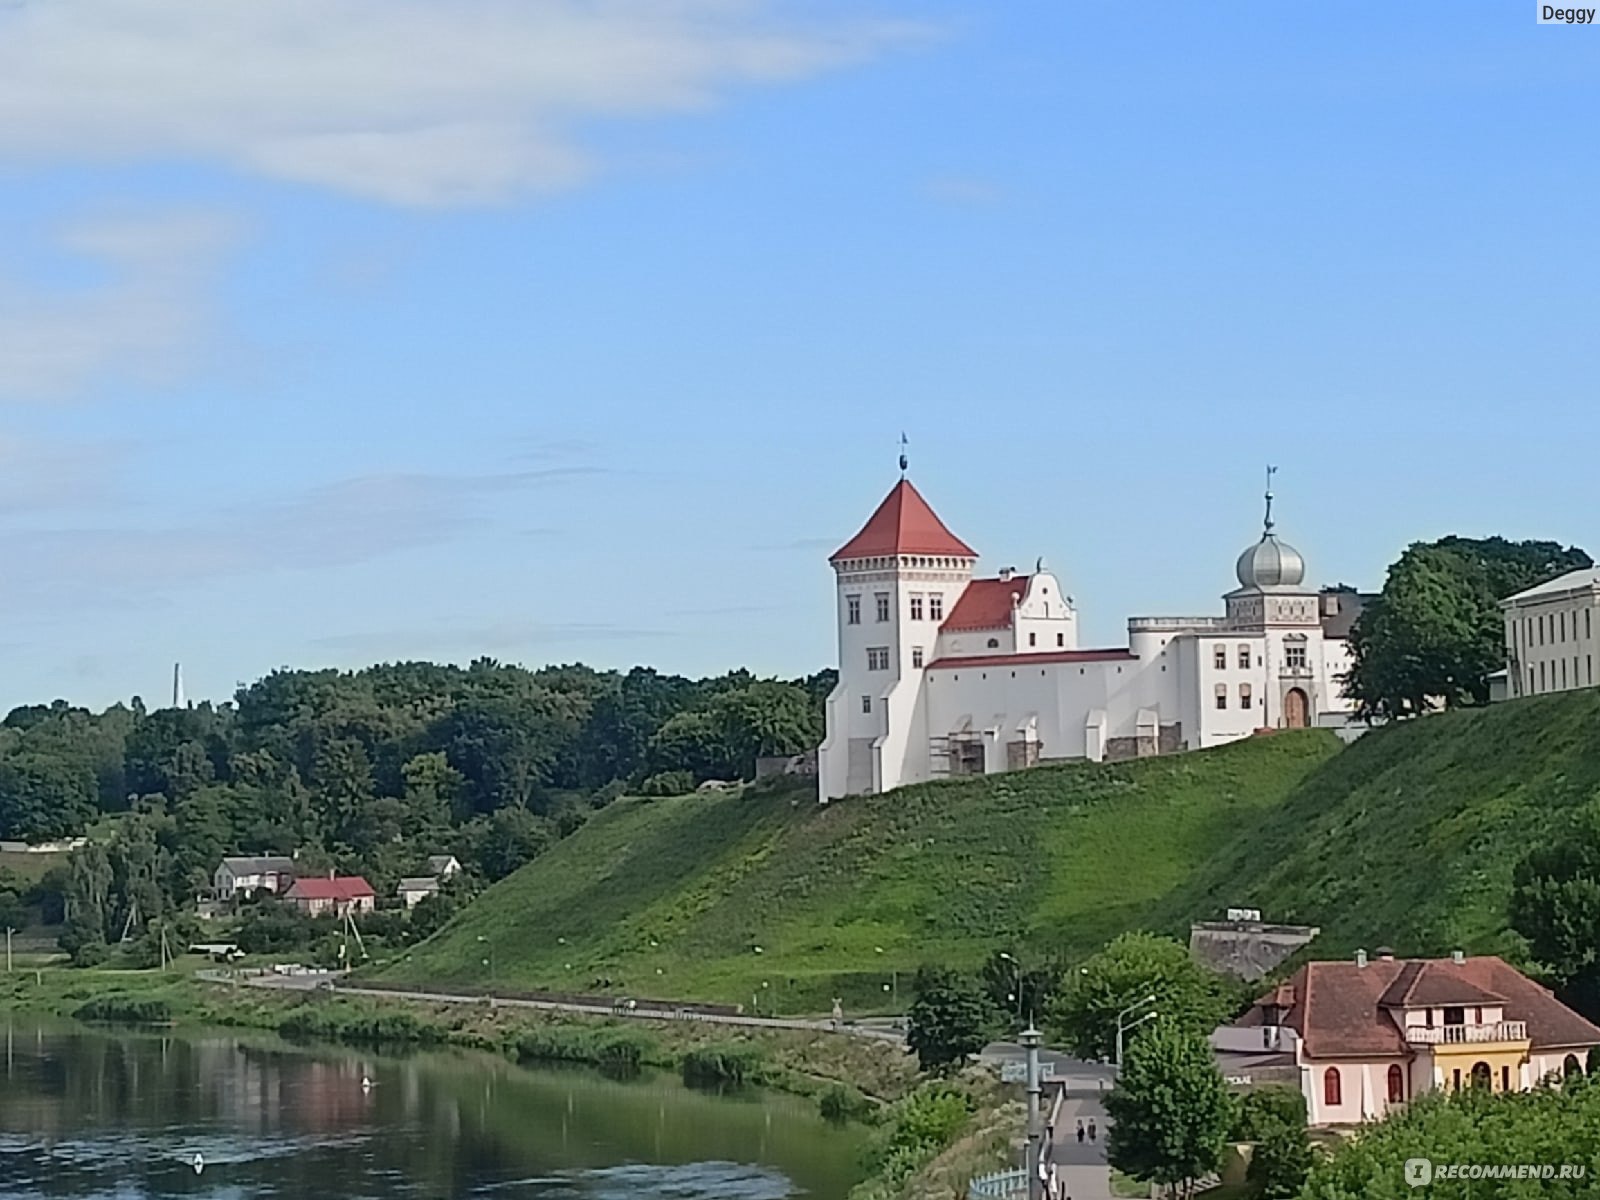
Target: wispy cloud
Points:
(965, 190)
(41, 476)
(415, 102)
(338, 524)
(143, 321)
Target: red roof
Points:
(1341, 1009)
(345, 887)
(903, 524)
(1043, 659)
(987, 604)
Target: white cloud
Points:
(142, 320)
(418, 102)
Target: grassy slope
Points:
(1406, 838)
(1065, 856)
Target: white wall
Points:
(1552, 643)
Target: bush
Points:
(132, 1010)
(732, 1063)
(668, 783)
(90, 954)
(620, 1050)
(1281, 1162)
(1264, 1109)
(841, 1102)
(315, 1022)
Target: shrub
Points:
(668, 783)
(1281, 1162)
(841, 1102)
(1264, 1109)
(731, 1063)
(621, 1050)
(132, 1010)
(314, 1022)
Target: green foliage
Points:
(609, 1047)
(1133, 967)
(913, 1131)
(272, 927)
(43, 797)
(1436, 631)
(949, 1019)
(1019, 990)
(372, 1026)
(1264, 1108)
(730, 1064)
(841, 1102)
(1546, 1125)
(1282, 1160)
(131, 1010)
(1555, 904)
(13, 913)
(1170, 1110)
(668, 783)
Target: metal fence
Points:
(1002, 1185)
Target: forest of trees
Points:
(368, 771)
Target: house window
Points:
(1219, 658)
(883, 606)
(1563, 672)
(852, 608)
(1541, 677)
(1477, 1016)
(916, 656)
(1332, 1094)
(1244, 658)
(1505, 1079)
(935, 606)
(1294, 657)
(1587, 631)
(916, 607)
(1530, 679)
(1061, 640)
(877, 658)
(1033, 639)
(994, 643)
(866, 705)
(1244, 695)
(1222, 695)
(1397, 1084)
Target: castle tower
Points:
(896, 581)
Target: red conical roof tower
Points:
(903, 524)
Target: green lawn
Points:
(1407, 838)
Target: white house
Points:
(1550, 634)
(261, 872)
(942, 673)
(443, 866)
(1365, 1037)
(413, 888)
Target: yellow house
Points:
(1367, 1036)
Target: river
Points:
(118, 1115)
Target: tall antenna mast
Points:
(177, 685)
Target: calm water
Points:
(90, 1113)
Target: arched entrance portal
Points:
(1296, 709)
(1480, 1075)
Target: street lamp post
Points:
(1030, 1038)
(1016, 970)
(1123, 1027)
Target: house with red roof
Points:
(945, 672)
(337, 894)
(1368, 1035)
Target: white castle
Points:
(941, 674)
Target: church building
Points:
(944, 674)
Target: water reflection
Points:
(89, 1113)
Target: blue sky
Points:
(336, 331)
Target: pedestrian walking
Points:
(1080, 1133)
(1091, 1129)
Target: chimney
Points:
(331, 874)
(1458, 956)
(1361, 958)
(1006, 573)
(1385, 954)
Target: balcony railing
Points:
(1461, 1035)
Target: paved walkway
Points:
(1082, 1166)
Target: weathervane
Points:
(1271, 471)
(904, 461)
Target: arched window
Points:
(1222, 695)
(1244, 656)
(1480, 1076)
(1331, 1091)
(994, 643)
(1570, 1066)
(1397, 1085)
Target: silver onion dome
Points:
(1271, 563)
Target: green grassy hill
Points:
(1406, 838)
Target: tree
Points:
(1132, 967)
(1019, 992)
(691, 742)
(1281, 1161)
(948, 1020)
(13, 913)
(43, 798)
(1555, 905)
(1170, 1111)
(764, 718)
(1436, 632)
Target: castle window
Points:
(877, 658)
(1033, 639)
(1219, 658)
(883, 606)
(1587, 630)
(935, 606)
(994, 643)
(1294, 657)
(1061, 640)
(866, 705)
(916, 606)
(916, 656)
(1332, 1093)
(1244, 658)
(1222, 695)
(852, 608)
(1244, 695)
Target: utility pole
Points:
(8, 949)
(1030, 1038)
